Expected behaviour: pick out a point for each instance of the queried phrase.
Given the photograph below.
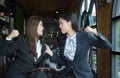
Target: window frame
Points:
(115, 53)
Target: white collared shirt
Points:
(38, 48)
(70, 47)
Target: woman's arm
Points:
(97, 39)
(9, 45)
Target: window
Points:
(116, 39)
(93, 16)
(115, 66)
(89, 6)
(116, 35)
(116, 49)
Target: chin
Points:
(63, 32)
(40, 34)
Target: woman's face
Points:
(40, 29)
(64, 25)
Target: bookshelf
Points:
(4, 19)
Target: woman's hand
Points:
(48, 50)
(14, 33)
(89, 29)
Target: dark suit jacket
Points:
(84, 41)
(24, 57)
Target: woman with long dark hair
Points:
(30, 50)
(75, 47)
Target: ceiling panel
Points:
(46, 8)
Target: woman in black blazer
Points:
(74, 49)
(30, 50)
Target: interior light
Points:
(57, 12)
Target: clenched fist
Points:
(89, 29)
(14, 33)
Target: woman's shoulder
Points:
(20, 36)
(21, 39)
(82, 33)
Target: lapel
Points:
(78, 45)
(63, 46)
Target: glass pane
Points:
(116, 36)
(81, 11)
(93, 59)
(88, 5)
(116, 66)
(116, 8)
(92, 17)
(83, 7)
(119, 37)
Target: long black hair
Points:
(72, 18)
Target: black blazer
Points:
(24, 57)
(84, 41)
